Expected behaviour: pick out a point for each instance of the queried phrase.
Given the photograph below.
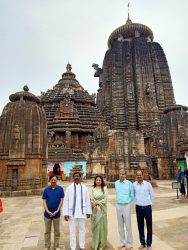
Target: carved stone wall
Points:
(136, 96)
(72, 116)
(169, 142)
(23, 143)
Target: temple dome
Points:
(68, 80)
(24, 95)
(129, 31)
(68, 87)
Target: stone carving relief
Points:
(66, 108)
(68, 90)
(16, 132)
(120, 38)
(98, 71)
(101, 131)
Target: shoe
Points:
(121, 247)
(141, 247)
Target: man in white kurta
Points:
(76, 208)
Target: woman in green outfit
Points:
(98, 197)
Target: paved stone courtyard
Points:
(22, 227)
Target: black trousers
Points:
(144, 212)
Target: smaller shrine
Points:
(72, 117)
(23, 143)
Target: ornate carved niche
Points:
(66, 108)
(101, 131)
(149, 98)
(16, 132)
(58, 142)
(68, 139)
(68, 90)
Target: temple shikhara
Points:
(72, 117)
(133, 121)
(147, 129)
(23, 143)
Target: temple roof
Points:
(68, 86)
(130, 30)
(24, 95)
(69, 107)
(68, 80)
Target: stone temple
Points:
(23, 143)
(146, 128)
(134, 121)
(72, 117)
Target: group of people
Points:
(141, 192)
(78, 204)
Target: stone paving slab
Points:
(22, 226)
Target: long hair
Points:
(102, 182)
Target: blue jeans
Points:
(144, 212)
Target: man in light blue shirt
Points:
(143, 193)
(124, 197)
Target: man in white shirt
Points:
(143, 194)
(76, 208)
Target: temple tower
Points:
(135, 82)
(135, 88)
(23, 143)
(72, 117)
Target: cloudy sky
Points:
(39, 37)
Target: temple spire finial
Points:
(128, 18)
(69, 67)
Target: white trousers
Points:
(124, 219)
(80, 222)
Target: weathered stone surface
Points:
(23, 143)
(135, 89)
(169, 142)
(72, 117)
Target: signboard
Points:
(175, 185)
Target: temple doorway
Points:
(155, 171)
(14, 179)
(56, 169)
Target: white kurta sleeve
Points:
(66, 203)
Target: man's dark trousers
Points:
(144, 212)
